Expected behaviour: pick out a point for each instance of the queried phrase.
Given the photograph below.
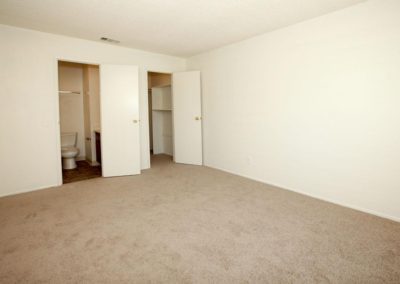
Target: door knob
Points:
(197, 118)
(136, 120)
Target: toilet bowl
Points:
(69, 151)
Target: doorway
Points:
(79, 119)
(118, 128)
(160, 115)
(175, 119)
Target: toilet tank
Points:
(68, 139)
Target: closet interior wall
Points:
(160, 113)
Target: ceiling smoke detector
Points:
(110, 40)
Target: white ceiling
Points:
(175, 27)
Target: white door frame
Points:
(57, 114)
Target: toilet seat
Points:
(69, 152)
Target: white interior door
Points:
(119, 105)
(186, 100)
(86, 126)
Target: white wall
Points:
(70, 78)
(29, 152)
(314, 108)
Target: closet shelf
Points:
(69, 92)
(162, 109)
(162, 86)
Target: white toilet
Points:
(68, 150)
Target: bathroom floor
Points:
(82, 172)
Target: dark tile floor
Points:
(82, 172)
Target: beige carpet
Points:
(187, 224)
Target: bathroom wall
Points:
(70, 78)
(94, 89)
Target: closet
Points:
(160, 113)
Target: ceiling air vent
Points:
(110, 40)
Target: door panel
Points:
(86, 125)
(186, 100)
(120, 146)
(87, 114)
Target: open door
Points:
(87, 114)
(186, 99)
(119, 105)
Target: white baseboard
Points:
(29, 190)
(364, 210)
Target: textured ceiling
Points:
(175, 27)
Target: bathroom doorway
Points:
(80, 129)
(160, 115)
